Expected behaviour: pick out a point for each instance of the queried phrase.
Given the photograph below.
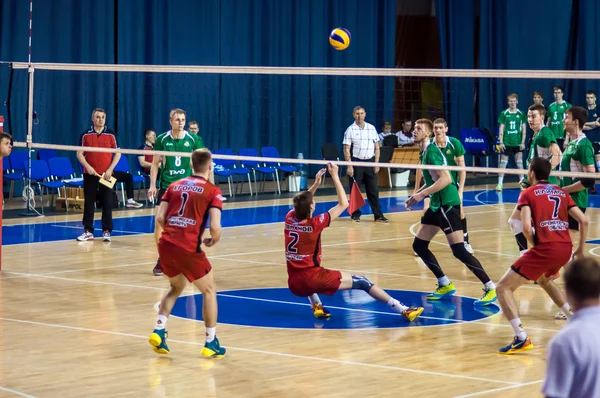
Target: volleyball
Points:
(339, 38)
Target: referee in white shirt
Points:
(364, 140)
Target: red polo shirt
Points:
(100, 161)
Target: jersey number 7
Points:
(556, 200)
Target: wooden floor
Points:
(75, 318)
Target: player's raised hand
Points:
(319, 176)
(333, 168)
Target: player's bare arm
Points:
(153, 176)
(162, 212)
(527, 228)
(348, 158)
(462, 176)
(377, 152)
(501, 136)
(215, 227)
(578, 215)
(556, 155)
(442, 182)
(342, 205)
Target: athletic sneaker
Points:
(469, 248)
(442, 292)
(412, 313)
(85, 236)
(499, 188)
(105, 236)
(516, 346)
(320, 312)
(213, 349)
(489, 296)
(561, 316)
(158, 341)
(157, 271)
(132, 204)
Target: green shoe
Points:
(213, 349)
(442, 292)
(158, 341)
(499, 188)
(489, 296)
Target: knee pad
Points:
(516, 226)
(459, 251)
(420, 246)
(361, 283)
(503, 162)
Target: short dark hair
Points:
(302, 202)
(538, 107)
(147, 133)
(579, 114)
(386, 123)
(582, 278)
(591, 92)
(440, 120)
(541, 168)
(538, 93)
(4, 135)
(193, 122)
(201, 159)
(559, 88)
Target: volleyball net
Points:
(293, 110)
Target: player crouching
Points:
(306, 277)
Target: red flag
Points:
(356, 199)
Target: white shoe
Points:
(132, 204)
(106, 236)
(469, 248)
(85, 236)
(561, 316)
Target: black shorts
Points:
(596, 146)
(447, 218)
(159, 195)
(573, 224)
(511, 150)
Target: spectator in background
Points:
(573, 363)
(193, 127)
(405, 136)
(361, 144)
(592, 128)
(387, 131)
(145, 161)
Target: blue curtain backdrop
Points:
(293, 113)
(513, 34)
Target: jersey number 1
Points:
(556, 200)
(184, 198)
(291, 248)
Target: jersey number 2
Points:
(184, 198)
(556, 200)
(291, 248)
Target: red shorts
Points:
(306, 282)
(175, 261)
(546, 259)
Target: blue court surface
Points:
(279, 308)
(59, 231)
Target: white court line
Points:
(26, 275)
(336, 361)
(593, 251)
(484, 392)
(114, 230)
(334, 307)
(19, 393)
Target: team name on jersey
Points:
(193, 188)
(298, 228)
(182, 222)
(555, 225)
(546, 191)
(295, 257)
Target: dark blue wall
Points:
(294, 113)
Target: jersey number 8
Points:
(178, 161)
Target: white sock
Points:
(518, 328)
(566, 309)
(396, 305)
(314, 299)
(210, 334)
(130, 200)
(443, 281)
(161, 322)
(500, 180)
(490, 285)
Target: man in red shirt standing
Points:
(97, 163)
(183, 214)
(545, 210)
(306, 277)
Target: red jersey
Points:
(100, 161)
(187, 213)
(550, 206)
(303, 240)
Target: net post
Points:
(29, 141)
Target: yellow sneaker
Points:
(489, 296)
(412, 313)
(442, 292)
(320, 312)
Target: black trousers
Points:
(126, 178)
(366, 176)
(91, 186)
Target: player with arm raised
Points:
(543, 144)
(306, 277)
(545, 207)
(443, 213)
(182, 215)
(175, 167)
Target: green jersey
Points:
(556, 113)
(448, 196)
(579, 153)
(513, 127)
(176, 167)
(452, 149)
(540, 147)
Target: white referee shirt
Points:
(363, 140)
